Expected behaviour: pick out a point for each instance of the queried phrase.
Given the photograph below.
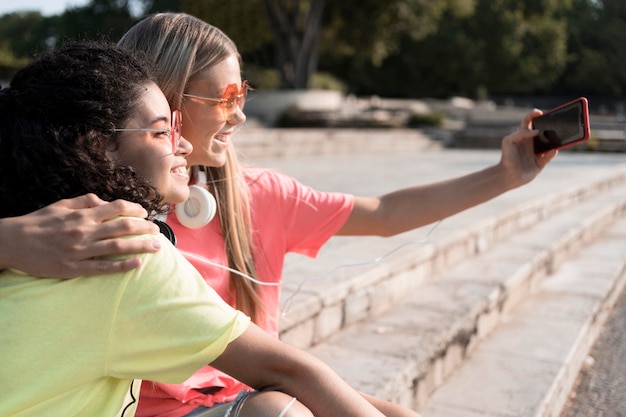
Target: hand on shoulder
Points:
(63, 239)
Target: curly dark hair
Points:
(57, 120)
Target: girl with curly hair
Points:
(88, 118)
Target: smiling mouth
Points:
(221, 140)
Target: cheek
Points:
(141, 164)
(147, 162)
(201, 122)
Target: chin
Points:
(213, 162)
(177, 198)
(219, 160)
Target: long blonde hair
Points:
(181, 47)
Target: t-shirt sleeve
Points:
(168, 322)
(307, 217)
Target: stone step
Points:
(316, 308)
(258, 142)
(405, 353)
(529, 365)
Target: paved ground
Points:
(601, 390)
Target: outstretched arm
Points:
(62, 239)
(267, 364)
(413, 207)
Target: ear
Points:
(113, 150)
(111, 154)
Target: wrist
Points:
(507, 178)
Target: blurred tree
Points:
(242, 20)
(471, 48)
(371, 30)
(154, 6)
(21, 36)
(374, 41)
(403, 48)
(296, 26)
(597, 57)
(9, 63)
(293, 26)
(245, 23)
(100, 19)
(523, 44)
(22, 32)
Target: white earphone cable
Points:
(323, 277)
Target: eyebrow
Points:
(159, 119)
(205, 83)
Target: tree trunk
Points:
(296, 39)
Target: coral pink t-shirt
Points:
(287, 217)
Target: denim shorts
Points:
(231, 409)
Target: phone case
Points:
(562, 126)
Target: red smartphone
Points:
(562, 126)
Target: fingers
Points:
(526, 123)
(102, 210)
(109, 267)
(74, 237)
(84, 201)
(90, 265)
(118, 208)
(521, 136)
(114, 247)
(123, 227)
(545, 158)
(94, 267)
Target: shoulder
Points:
(256, 176)
(271, 182)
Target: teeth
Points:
(180, 170)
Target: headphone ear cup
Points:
(198, 210)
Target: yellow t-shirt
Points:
(80, 347)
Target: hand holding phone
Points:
(562, 126)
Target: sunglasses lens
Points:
(234, 98)
(177, 122)
(243, 94)
(177, 125)
(230, 101)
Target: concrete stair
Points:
(529, 364)
(490, 313)
(260, 142)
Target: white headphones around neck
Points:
(198, 210)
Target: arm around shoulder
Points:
(64, 239)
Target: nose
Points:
(238, 117)
(184, 147)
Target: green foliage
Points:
(23, 33)
(9, 63)
(102, 19)
(524, 48)
(242, 20)
(154, 6)
(326, 81)
(503, 46)
(597, 57)
(393, 48)
(261, 78)
(372, 30)
(426, 119)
